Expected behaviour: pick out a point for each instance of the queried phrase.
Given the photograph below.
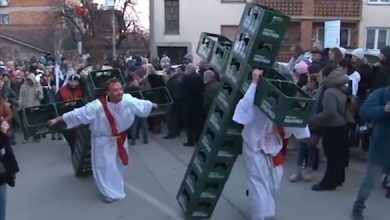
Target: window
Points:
(345, 36)
(229, 31)
(172, 17)
(4, 19)
(378, 1)
(377, 38)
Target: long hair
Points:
(108, 83)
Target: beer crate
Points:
(35, 118)
(206, 44)
(159, 96)
(220, 55)
(81, 155)
(97, 79)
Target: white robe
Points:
(260, 143)
(107, 167)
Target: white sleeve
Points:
(298, 133)
(245, 112)
(84, 115)
(141, 108)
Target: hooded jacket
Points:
(334, 100)
(30, 95)
(381, 79)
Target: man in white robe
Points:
(108, 157)
(262, 143)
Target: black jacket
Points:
(9, 165)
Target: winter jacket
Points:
(30, 95)
(332, 111)
(211, 89)
(355, 78)
(373, 110)
(8, 164)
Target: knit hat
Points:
(301, 67)
(386, 52)
(359, 53)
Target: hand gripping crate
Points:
(81, 155)
(97, 79)
(284, 103)
(206, 44)
(260, 34)
(159, 96)
(35, 118)
(220, 55)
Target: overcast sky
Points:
(142, 8)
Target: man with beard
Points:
(109, 117)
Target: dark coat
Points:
(7, 162)
(174, 88)
(156, 80)
(192, 88)
(210, 92)
(382, 76)
(373, 110)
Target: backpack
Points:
(351, 104)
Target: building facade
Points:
(27, 27)
(375, 26)
(176, 25)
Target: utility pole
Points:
(111, 5)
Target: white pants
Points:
(264, 182)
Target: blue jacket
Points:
(373, 110)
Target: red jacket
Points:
(68, 94)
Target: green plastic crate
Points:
(81, 155)
(206, 45)
(159, 96)
(284, 102)
(97, 79)
(220, 55)
(67, 106)
(35, 118)
(260, 35)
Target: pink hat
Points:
(301, 67)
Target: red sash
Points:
(121, 137)
(281, 156)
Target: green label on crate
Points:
(214, 121)
(270, 33)
(204, 50)
(261, 59)
(199, 214)
(216, 175)
(207, 195)
(222, 98)
(230, 75)
(222, 153)
(190, 184)
(266, 106)
(197, 165)
(292, 120)
(182, 203)
(206, 143)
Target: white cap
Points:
(343, 51)
(359, 53)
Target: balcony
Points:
(335, 8)
(317, 9)
(290, 7)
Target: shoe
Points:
(53, 138)
(146, 142)
(132, 142)
(169, 137)
(388, 194)
(109, 200)
(357, 215)
(295, 177)
(189, 144)
(247, 192)
(319, 187)
(59, 137)
(24, 141)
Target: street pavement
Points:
(48, 190)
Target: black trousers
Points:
(336, 148)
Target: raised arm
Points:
(244, 111)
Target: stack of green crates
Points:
(220, 142)
(94, 85)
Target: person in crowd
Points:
(263, 144)
(211, 88)
(317, 58)
(192, 90)
(346, 67)
(335, 56)
(31, 94)
(377, 110)
(298, 55)
(174, 114)
(188, 59)
(300, 73)
(8, 166)
(332, 120)
(109, 157)
(307, 149)
(359, 63)
(383, 69)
